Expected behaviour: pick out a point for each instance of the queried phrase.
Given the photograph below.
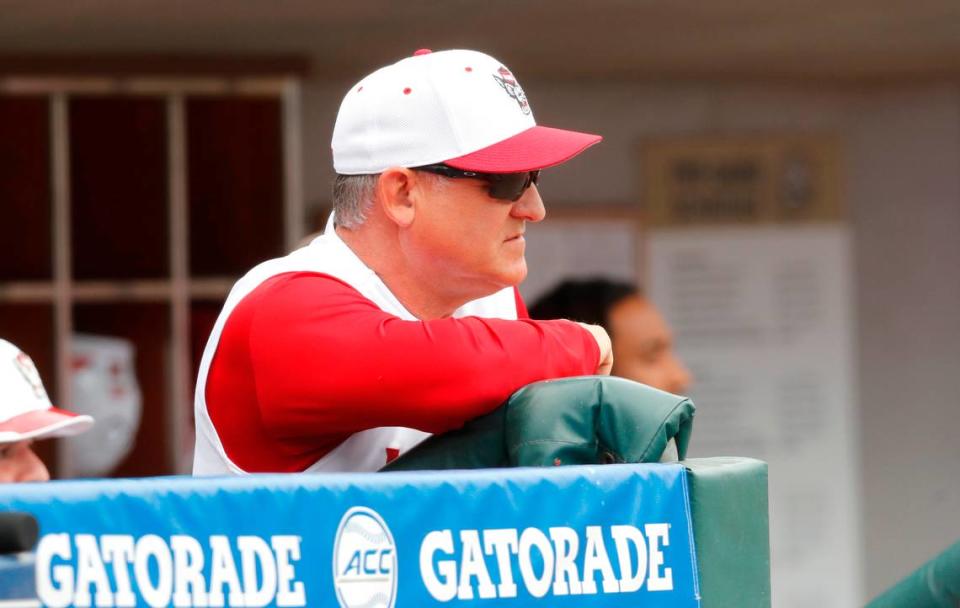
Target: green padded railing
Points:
(936, 584)
(728, 504)
(596, 419)
(584, 420)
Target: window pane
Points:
(118, 185)
(25, 189)
(235, 160)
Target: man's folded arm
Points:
(327, 360)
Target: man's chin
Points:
(514, 280)
(517, 276)
(509, 276)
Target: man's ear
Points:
(397, 192)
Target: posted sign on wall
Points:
(750, 263)
(761, 316)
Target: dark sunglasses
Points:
(503, 186)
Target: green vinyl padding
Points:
(728, 504)
(583, 420)
(936, 584)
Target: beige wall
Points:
(903, 183)
(905, 156)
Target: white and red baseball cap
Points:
(25, 408)
(461, 108)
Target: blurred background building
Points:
(785, 175)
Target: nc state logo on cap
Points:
(25, 364)
(506, 80)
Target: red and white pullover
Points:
(314, 365)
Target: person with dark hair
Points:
(642, 341)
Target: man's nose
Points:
(530, 206)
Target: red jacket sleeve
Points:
(325, 360)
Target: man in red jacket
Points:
(403, 318)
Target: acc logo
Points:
(364, 561)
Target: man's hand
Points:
(606, 348)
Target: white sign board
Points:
(762, 317)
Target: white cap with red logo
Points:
(25, 408)
(461, 108)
